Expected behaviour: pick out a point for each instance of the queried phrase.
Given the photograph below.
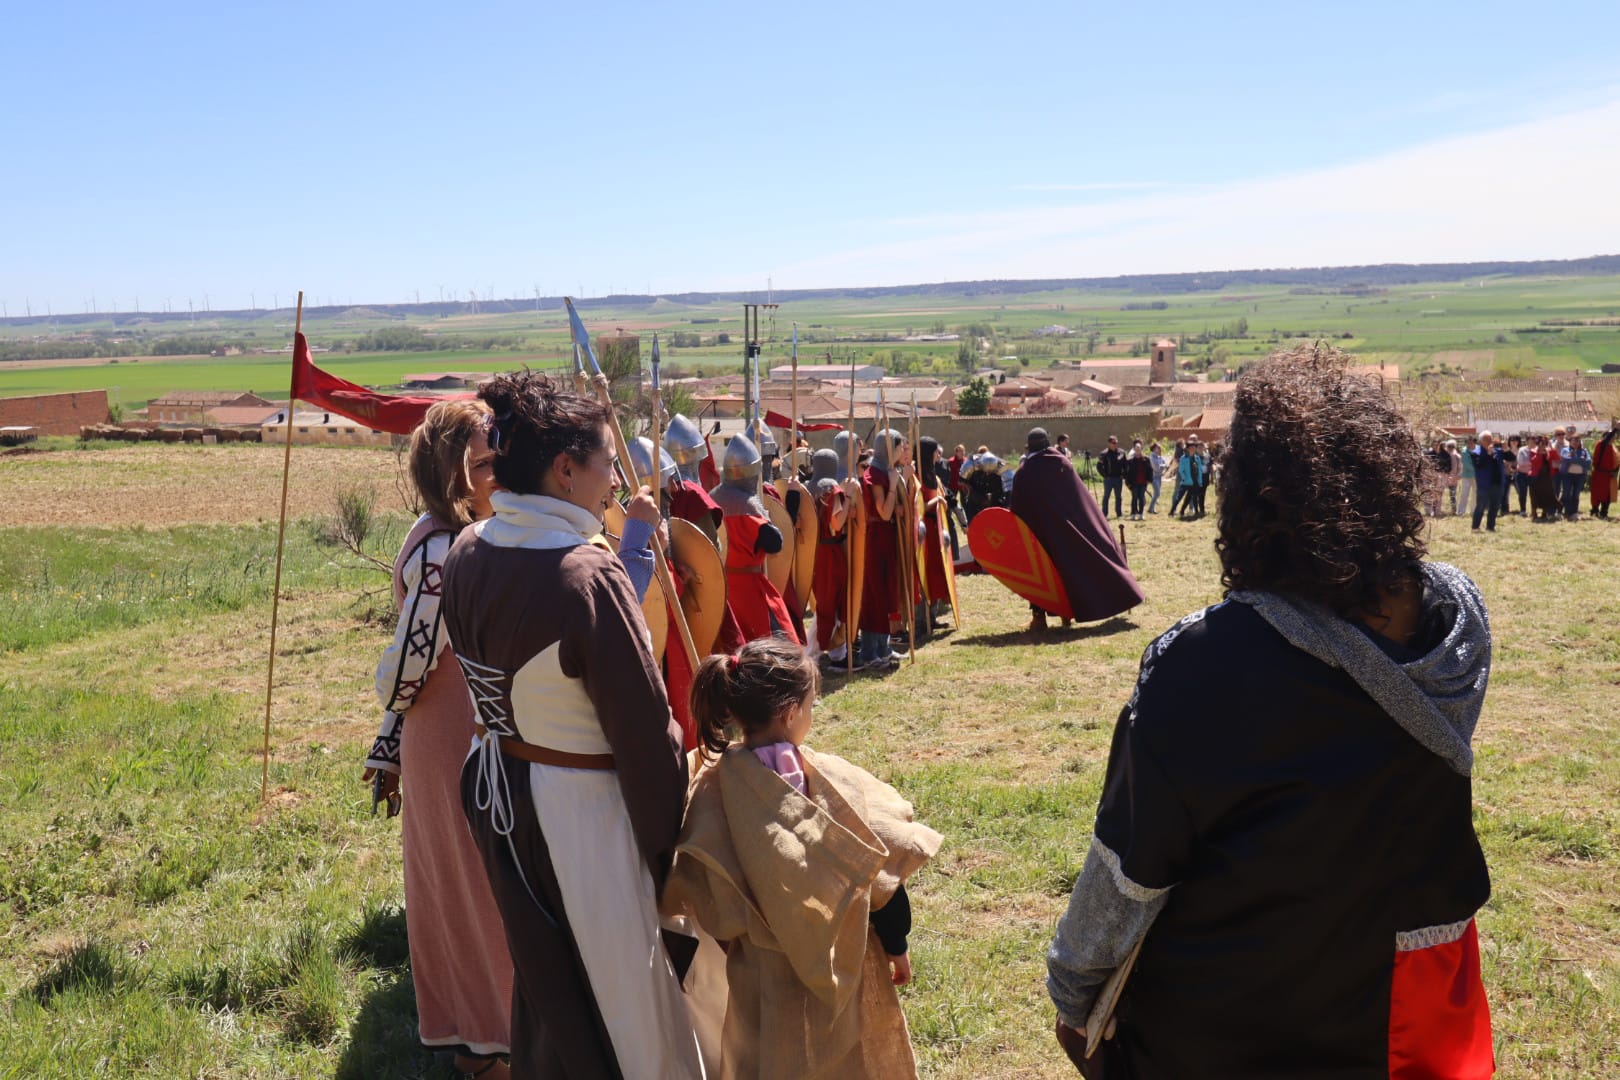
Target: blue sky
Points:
(373, 152)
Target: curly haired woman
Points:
(1286, 829)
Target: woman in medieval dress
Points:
(575, 785)
(459, 962)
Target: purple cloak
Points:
(1049, 497)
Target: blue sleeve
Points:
(637, 556)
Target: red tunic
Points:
(830, 583)
(708, 471)
(758, 606)
(1605, 465)
(880, 586)
(795, 602)
(678, 672)
(692, 503)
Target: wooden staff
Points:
(900, 500)
(281, 539)
(850, 521)
(793, 432)
(657, 432)
(581, 382)
(604, 394)
(911, 504)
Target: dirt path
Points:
(172, 485)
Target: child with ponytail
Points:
(795, 861)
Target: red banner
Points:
(398, 414)
(777, 420)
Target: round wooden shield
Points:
(806, 531)
(855, 546)
(703, 582)
(943, 528)
(656, 612)
(1005, 548)
(920, 561)
(779, 567)
(613, 524)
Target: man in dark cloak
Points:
(1050, 498)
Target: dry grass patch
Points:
(172, 485)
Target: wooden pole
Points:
(850, 521)
(900, 500)
(604, 394)
(660, 564)
(281, 540)
(793, 433)
(657, 432)
(911, 505)
(582, 383)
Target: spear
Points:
(911, 505)
(581, 386)
(657, 431)
(793, 434)
(849, 533)
(755, 425)
(899, 527)
(582, 346)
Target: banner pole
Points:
(851, 519)
(281, 539)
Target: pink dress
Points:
(459, 959)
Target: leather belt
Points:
(745, 569)
(545, 755)
(834, 540)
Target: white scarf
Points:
(537, 521)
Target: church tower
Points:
(1163, 366)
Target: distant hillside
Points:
(1319, 277)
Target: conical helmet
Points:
(685, 444)
(741, 464)
(886, 448)
(641, 458)
(825, 465)
(684, 441)
(841, 448)
(738, 490)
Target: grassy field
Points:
(156, 920)
(1478, 325)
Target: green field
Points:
(1494, 323)
(155, 920)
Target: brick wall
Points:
(55, 414)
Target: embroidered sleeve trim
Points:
(1127, 888)
(385, 750)
(1430, 936)
(416, 641)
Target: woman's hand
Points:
(1074, 1045)
(900, 969)
(387, 788)
(643, 507)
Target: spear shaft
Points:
(604, 394)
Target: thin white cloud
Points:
(1539, 189)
